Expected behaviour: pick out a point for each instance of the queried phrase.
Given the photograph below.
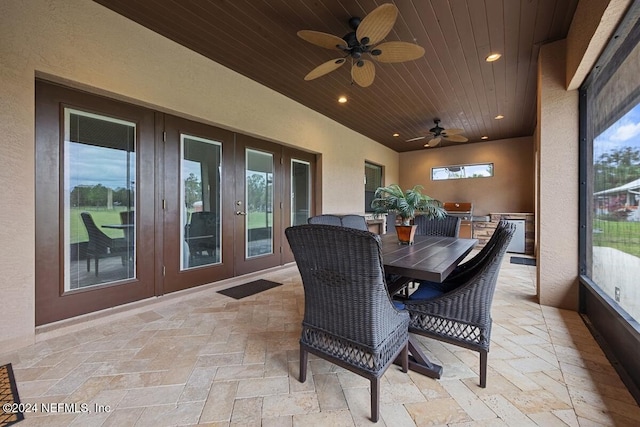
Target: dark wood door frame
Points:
(156, 204)
(174, 279)
(242, 265)
(51, 300)
(290, 154)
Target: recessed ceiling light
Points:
(427, 145)
(484, 137)
(396, 134)
(499, 117)
(342, 99)
(493, 57)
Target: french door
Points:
(95, 180)
(133, 203)
(224, 206)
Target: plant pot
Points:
(406, 233)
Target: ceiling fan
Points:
(363, 40)
(438, 133)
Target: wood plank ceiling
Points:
(452, 81)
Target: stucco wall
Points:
(509, 190)
(81, 43)
(557, 214)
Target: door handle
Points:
(240, 213)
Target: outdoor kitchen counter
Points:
(482, 230)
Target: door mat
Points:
(9, 396)
(248, 289)
(523, 260)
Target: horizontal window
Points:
(479, 170)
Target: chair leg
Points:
(88, 263)
(96, 265)
(483, 368)
(404, 356)
(375, 399)
(303, 364)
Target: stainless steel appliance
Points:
(464, 211)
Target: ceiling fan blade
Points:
(376, 25)
(455, 138)
(398, 52)
(417, 138)
(433, 142)
(325, 68)
(328, 41)
(452, 131)
(363, 74)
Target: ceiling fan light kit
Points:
(365, 40)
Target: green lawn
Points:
(101, 216)
(621, 235)
(260, 219)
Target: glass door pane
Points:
(98, 194)
(259, 202)
(300, 192)
(200, 216)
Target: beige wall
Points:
(557, 216)
(509, 190)
(88, 46)
(562, 68)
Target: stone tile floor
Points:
(200, 358)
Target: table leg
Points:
(420, 363)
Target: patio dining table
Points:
(430, 258)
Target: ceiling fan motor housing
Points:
(436, 130)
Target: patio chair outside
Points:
(462, 315)
(200, 233)
(101, 246)
(349, 318)
(127, 217)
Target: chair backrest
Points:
(351, 221)
(202, 224)
(485, 275)
(98, 240)
(127, 217)
(460, 272)
(449, 226)
(343, 279)
(471, 297)
(391, 223)
(325, 219)
(354, 221)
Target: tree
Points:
(98, 196)
(192, 190)
(256, 191)
(616, 167)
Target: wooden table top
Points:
(430, 258)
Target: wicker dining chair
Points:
(327, 219)
(350, 221)
(349, 318)
(449, 226)
(466, 270)
(354, 221)
(462, 315)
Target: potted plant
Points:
(406, 204)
